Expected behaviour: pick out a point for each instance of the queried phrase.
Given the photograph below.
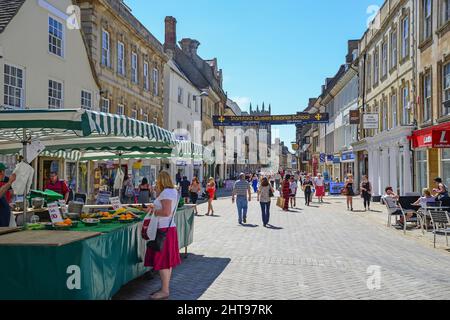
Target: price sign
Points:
(115, 202)
(63, 207)
(55, 214)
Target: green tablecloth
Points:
(104, 264)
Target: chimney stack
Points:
(189, 46)
(170, 33)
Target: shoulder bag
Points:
(158, 244)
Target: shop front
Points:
(432, 155)
(390, 161)
(347, 164)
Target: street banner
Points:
(299, 119)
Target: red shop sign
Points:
(433, 137)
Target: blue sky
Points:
(277, 52)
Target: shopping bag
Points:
(280, 202)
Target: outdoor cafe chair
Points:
(441, 223)
(424, 213)
(394, 209)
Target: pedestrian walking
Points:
(307, 189)
(366, 192)
(145, 191)
(349, 191)
(255, 183)
(286, 192)
(293, 186)
(211, 191)
(265, 193)
(128, 190)
(319, 185)
(194, 190)
(178, 178)
(161, 213)
(277, 180)
(241, 190)
(184, 185)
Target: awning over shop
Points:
(68, 123)
(433, 137)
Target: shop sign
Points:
(181, 163)
(434, 139)
(348, 157)
(330, 158)
(354, 116)
(370, 121)
(322, 157)
(336, 160)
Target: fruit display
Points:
(106, 217)
(126, 218)
(66, 224)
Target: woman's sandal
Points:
(159, 298)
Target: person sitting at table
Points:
(425, 199)
(5, 210)
(58, 186)
(441, 190)
(391, 199)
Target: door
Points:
(47, 165)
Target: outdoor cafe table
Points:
(88, 263)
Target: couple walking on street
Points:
(242, 195)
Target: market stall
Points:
(84, 262)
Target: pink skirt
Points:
(320, 191)
(169, 257)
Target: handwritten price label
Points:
(55, 214)
(115, 202)
(64, 209)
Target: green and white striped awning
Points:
(69, 123)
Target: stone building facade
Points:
(387, 60)
(432, 112)
(128, 59)
(207, 77)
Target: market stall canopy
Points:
(69, 123)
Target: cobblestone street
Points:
(322, 252)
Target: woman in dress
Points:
(366, 192)
(286, 192)
(211, 191)
(168, 258)
(349, 192)
(194, 190)
(145, 190)
(319, 185)
(265, 192)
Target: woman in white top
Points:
(163, 210)
(319, 185)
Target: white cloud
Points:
(243, 102)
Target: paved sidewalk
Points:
(319, 252)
